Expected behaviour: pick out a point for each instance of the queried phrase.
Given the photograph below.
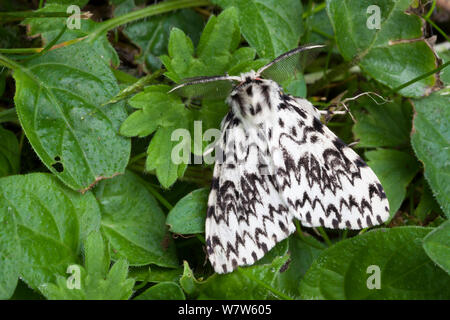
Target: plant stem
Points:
(137, 157)
(407, 84)
(431, 10)
(38, 50)
(149, 11)
(437, 28)
(299, 230)
(19, 15)
(136, 86)
(325, 236)
(159, 197)
(9, 63)
(316, 9)
(20, 50)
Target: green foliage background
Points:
(86, 178)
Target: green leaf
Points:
(318, 28)
(58, 99)
(163, 113)
(210, 114)
(9, 253)
(189, 214)
(344, 271)
(394, 53)
(152, 36)
(133, 222)
(254, 282)
(188, 281)
(430, 140)
(49, 28)
(280, 250)
(215, 54)
(395, 169)
(96, 256)
(384, 125)
(269, 26)
(160, 157)
(162, 291)
(156, 274)
(9, 153)
(445, 73)
(302, 254)
(427, 204)
(96, 283)
(51, 219)
(437, 246)
(249, 283)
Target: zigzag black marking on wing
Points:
(227, 201)
(301, 203)
(314, 173)
(240, 240)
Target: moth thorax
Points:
(252, 100)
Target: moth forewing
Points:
(211, 87)
(289, 63)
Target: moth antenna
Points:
(354, 143)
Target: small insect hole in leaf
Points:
(58, 166)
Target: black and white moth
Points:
(278, 163)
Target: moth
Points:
(279, 162)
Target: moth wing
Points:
(289, 63)
(322, 180)
(246, 216)
(213, 88)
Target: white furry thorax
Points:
(254, 99)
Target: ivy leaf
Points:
(189, 214)
(51, 220)
(96, 283)
(404, 271)
(437, 246)
(270, 26)
(430, 139)
(384, 125)
(393, 51)
(162, 291)
(9, 153)
(395, 169)
(59, 99)
(133, 222)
